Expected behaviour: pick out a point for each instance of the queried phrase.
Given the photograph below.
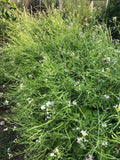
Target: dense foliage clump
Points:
(63, 88)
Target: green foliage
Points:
(64, 88)
(7, 12)
(113, 9)
(75, 9)
(113, 12)
(6, 9)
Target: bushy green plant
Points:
(64, 89)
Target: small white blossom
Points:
(46, 80)
(42, 107)
(104, 143)
(74, 102)
(6, 129)
(104, 125)
(57, 150)
(6, 102)
(51, 154)
(108, 69)
(90, 157)
(52, 104)
(29, 100)
(79, 139)
(48, 103)
(18, 104)
(115, 106)
(106, 96)
(21, 86)
(47, 117)
(38, 140)
(114, 18)
(15, 140)
(30, 75)
(84, 133)
(14, 128)
(8, 150)
(103, 70)
(85, 140)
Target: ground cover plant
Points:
(63, 89)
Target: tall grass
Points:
(63, 86)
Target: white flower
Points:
(21, 86)
(103, 70)
(38, 140)
(8, 150)
(106, 96)
(48, 103)
(52, 104)
(85, 140)
(47, 117)
(6, 102)
(42, 107)
(18, 104)
(46, 80)
(90, 157)
(57, 150)
(108, 58)
(15, 140)
(115, 106)
(29, 100)
(69, 103)
(104, 125)
(79, 139)
(119, 106)
(114, 18)
(52, 154)
(30, 75)
(6, 129)
(14, 128)
(84, 133)
(74, 102)
(108, 69)
(104, 143)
